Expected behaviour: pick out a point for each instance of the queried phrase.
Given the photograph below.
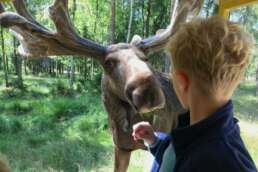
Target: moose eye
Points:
(110, 64)
(145, 59)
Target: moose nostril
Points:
(144, 94)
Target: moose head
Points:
(126, 66)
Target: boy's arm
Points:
(158, 148)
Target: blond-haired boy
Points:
(209, 57)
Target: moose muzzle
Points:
(145, 94)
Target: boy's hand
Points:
(144, 131)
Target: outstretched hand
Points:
(144, 131)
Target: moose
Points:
(131, 89)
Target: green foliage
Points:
(248, 17)
(56, 132)
(246, 102)
(18, 108)
(10, 125)
(245, 105)
(62, 88)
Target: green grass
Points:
(50, 127)
(246, 109)
(249, 132)
(246, 102)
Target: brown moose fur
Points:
(122, 114)
(4, 167)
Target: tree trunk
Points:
(130, 21)
(113, 21)
(96, 17)
(4, 58)
(147, 23)
(124, 21)
(15, 57)
(72, 72)
(18, 65)
(85, 69)
(19, 68)
(167, 63)
(72, 63)
(92, 64)
(167, 57)
(257, 81)
(208, 7)
(25, 67)
(143, 17)
(92, 69)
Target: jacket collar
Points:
(216, 125)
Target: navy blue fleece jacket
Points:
(212, 145)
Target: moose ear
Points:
(136, 40)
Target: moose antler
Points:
(181, 11)
(37, 40)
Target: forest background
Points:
(51, 114)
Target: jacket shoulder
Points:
(218, 155)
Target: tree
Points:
(4, 58)
(18, 65)
(130, 21)
(113, 21)
(147, 23)
(257, 81)
(72, 63)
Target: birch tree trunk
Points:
(72, 63)
(257, 81)
(147, 23)
(130, 21)
(113, 21)
(4, 58)
(18, 65)
(167, 57)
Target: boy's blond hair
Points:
(213, 52)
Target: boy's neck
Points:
(203, 108)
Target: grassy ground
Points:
(246, 109)
(49, 127)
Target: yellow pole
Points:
(226, 5)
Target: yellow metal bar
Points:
(230, 4)
(223, 12)
(226, 5)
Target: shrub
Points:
(64, 108)
(79, 87)
(4, 124)
(42, 124)
(19, 107)
(37, 140)
(15, 126)
(11, 93)
(61, 88)
(9, 125)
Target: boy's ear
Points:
(183, 80)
